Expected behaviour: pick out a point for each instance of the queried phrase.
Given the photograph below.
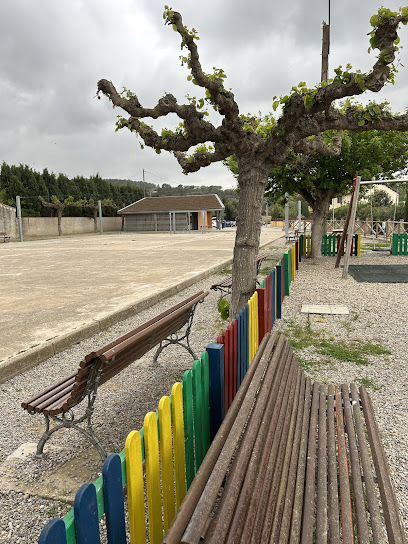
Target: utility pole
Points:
(100, 217)
(19, 222)
(325, 49)
(144, 186)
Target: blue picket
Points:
(216, 386)
(86, 515)
(113, 500)
(53, 533)
(246, 339)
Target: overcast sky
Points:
(54, 52)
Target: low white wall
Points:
(8, 221)
(48, 226)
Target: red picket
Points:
(262, 310)
(234, 358)
(268, 287)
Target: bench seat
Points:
(293, 461)
(103, 364)
(225, 285)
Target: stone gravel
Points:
(377, 314)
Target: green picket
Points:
(188, 426)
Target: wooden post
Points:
(351, 228)
(325, 51)
(343, 236)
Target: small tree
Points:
(58, 206)
(381, 198)
(261, 145)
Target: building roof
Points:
(192, 203)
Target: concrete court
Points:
(58, 291)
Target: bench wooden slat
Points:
(278, 459)
(290, 488)
(344, 487)
(301, 468)
(389, 501)
(372, 501)
(355, 464)
(333, 496)
(309, 497)
(50, 399)
(322, 470)
(29, 404)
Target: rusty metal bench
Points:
(6, 237)
(225, 285)
(293, 461)
(56, 402)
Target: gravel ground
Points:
(377, 315)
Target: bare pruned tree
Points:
(259, 147)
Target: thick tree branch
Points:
(352, 119)
(223, 99)
(199, 159)
(308, 103)
(319, 145)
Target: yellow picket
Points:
(151, 441)
(178, 442)
(256, 325)
(135, 490)
(250, 326)
(166, 457)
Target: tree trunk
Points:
(320, 210)
(95, 218)
(59, 212)
(252, 180)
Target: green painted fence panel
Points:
(188, 426)
(286, 265)
(198, 415)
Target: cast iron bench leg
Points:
(175, 339)
(70, 424)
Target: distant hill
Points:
(151, 189)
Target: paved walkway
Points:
(57, 291)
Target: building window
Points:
(339, 200)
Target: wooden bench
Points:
(6, 237)
(56, 402)
(293, 461)
(225, 285)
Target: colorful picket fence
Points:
(173, 442)
(331, 244)
(399, 244)
(180, 431)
